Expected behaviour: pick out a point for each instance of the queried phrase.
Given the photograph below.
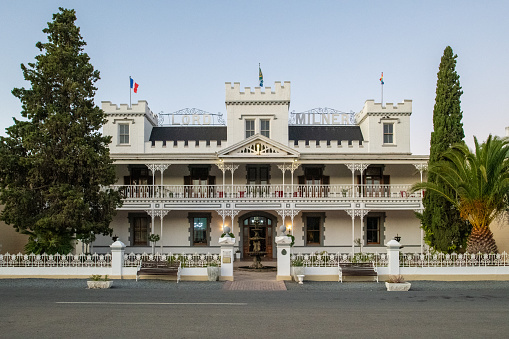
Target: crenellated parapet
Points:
(280, 95)
(123, 110)
(332, 147)
(185, 147)
(372, 108)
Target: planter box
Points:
(99, 284)
(213, 273)
(398, 286)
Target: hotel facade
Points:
(337, 181)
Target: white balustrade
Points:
(272, 191)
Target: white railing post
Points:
(226, 243)
(117, 258)
(283, 257)
(393, 248)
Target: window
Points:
(250, 128)
(257, 175)
(139, 175)
(200, 231)
(140, 229)
(199, 183)
(265, 128)
(199, 176)
(375, 183)
(373, 230)
(313, 228)
(123, 134)
(199, 228)
(388, 133)
(313, 183)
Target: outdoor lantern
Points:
(397, 237)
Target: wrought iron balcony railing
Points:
(266, 191)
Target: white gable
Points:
(258, 145)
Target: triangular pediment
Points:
(258, 146)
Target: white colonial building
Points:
(338, 181)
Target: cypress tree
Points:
(55, 165)
(441, 221)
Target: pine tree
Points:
(55, 165)
(441, 221)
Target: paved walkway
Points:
(245, 280)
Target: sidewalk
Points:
(254, 280)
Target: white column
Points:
(117, 258)
(226, 244)
(351, 213)
(421, 168)
(162, 168)
(233, 213)
(283, 257)
(393, 255)
(162, 214)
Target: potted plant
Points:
(154, 238)
(344, 191)
(298, 270)
(97, 281)
(397, 283)
(237, 254)
(213, 271)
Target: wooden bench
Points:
(357, 270)
(157, 267)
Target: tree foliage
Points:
(444, 229)
(55, 163)
(477, 185)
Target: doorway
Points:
(257, 229)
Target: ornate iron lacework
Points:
(258, 149)
(217, 118)
(292, 120)
(326, 259)
(186, 260)
(55, 260)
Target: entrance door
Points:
(257, 236)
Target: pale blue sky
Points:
(182, 52)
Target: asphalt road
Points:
(154, 309)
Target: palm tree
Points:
(477, 184)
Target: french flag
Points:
(134, 85)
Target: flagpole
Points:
(129, 91)
(382, 94)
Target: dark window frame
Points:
(191, 217)
(257, 172)
(133, 219)
(380, 218)
(321, 230)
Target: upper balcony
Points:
(268, 192)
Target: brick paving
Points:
(245, 280)
(255, 285)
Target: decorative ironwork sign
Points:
(322, 116)
(191, 117)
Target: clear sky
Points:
(182, 52)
